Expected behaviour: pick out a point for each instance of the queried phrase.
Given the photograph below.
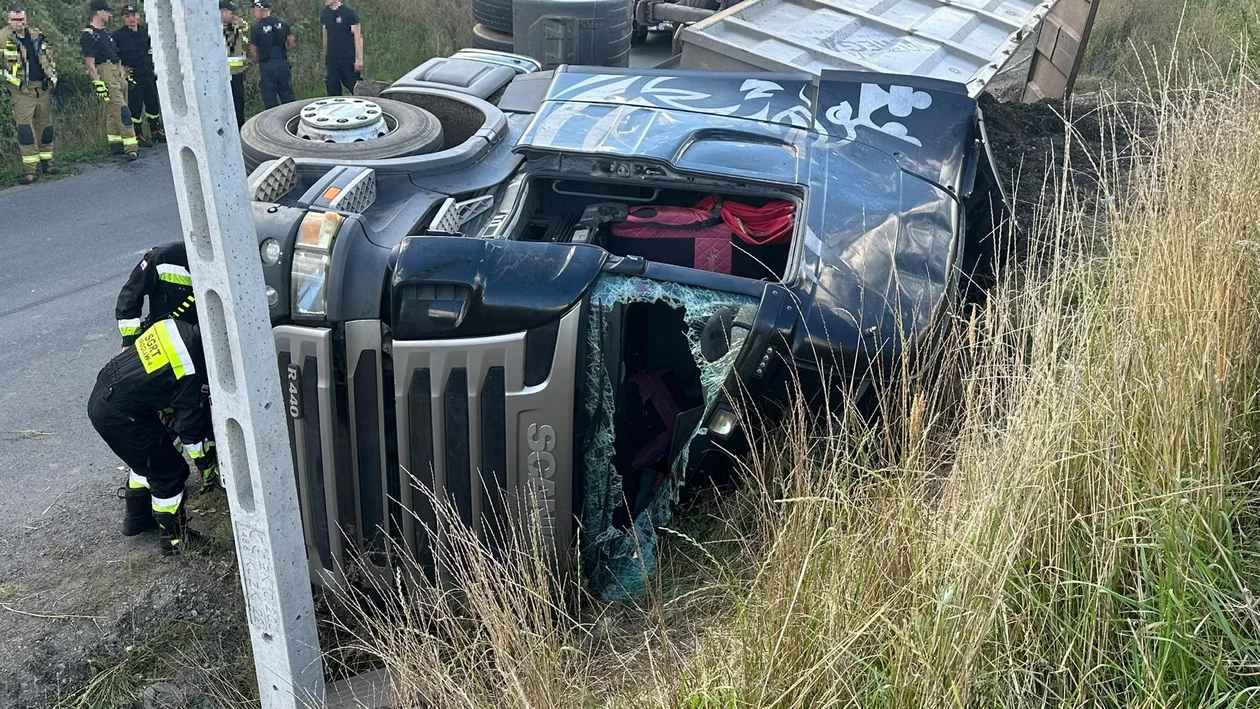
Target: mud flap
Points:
(620, 561)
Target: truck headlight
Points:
(310, 283)
(310, 262)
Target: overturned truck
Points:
(551, 299)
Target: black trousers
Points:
(276, 82)
(238, 98)
(140, 439)
(142, 99)
(340, 73)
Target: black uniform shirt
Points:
(98, 45)
(338, 23)
(161, 276)
(135, 50)
(271, 36)
(34, 70)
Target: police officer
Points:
(135, 49)
(100, 56)
(270, 41)
(161, 276)
(343, 47)
(236, 37)
(26, 65)
(165, 370)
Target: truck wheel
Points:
(495, 14)
(271, 134)
(487, 38)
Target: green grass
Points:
(398, 36)
(182, 650)
(1132, 38)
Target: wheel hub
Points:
(341, 120)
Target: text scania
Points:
(541, 465)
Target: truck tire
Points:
(487, 38)
(495, 14)
(266, 136)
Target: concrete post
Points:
(249, 423)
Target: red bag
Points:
(760, 226)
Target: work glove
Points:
(101, 90)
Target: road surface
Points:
(66, 575)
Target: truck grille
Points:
(482, 425)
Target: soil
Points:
(75, 595)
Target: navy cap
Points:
(98, 5)
(130, 10)
(227, 5)
(264, 4)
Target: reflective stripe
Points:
(45, 156)
(30, 159)
(135, 481)
(194, 450)
(174, 274)
(167, 505)
(130, 142)
(129, 327)
(176, 350)
(151, 116)
(235, 62)
(136, 121)
(114, 138)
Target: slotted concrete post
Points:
(251, 432)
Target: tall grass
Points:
(1132, 36)
(1066, 518)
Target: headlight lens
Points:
(270, 252)
(310, 283)
(273, 296)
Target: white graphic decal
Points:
(900, 101)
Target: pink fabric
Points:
(711, 236)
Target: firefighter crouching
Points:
(29, 71)
(163, 278)
(164, 374)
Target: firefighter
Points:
(236, 37)
(165, 370)
(100, 56)
(27, 67)
(136, 51)
(161, 276)
(270, 42)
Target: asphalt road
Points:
(66, 246)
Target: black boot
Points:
(176, 536)
(138, 517)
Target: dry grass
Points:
(1068, 520)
